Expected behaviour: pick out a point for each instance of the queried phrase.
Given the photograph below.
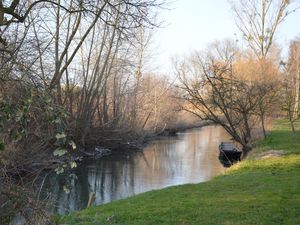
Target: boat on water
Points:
(229, 154)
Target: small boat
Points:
(229, 153)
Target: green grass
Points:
(253, 192)
(281, 138)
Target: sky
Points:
(193, 24)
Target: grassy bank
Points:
(261, 191)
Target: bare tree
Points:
(290, 92)
(57, 60)
(288, 103)
(293, 73)
(74, 22)
(215, 92)
(258, 21)
(268, 101)
(264, 74)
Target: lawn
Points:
(281, 138)
(265, 191)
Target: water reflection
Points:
(192, 157)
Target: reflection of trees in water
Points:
(192, 158)
(108, 179)
(163, 160)
(63, 202)
(116, 179)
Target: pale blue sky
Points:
(192, 24)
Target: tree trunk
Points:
(246, 149)
(293, 127)
(104, 106)
(262, 119)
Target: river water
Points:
(192, 157)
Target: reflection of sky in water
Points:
(190, 158)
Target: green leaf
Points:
(57, 121)
(19, 115)
(72, 144)
(16, 136)
(66, 189)
(73, 164)
(60, 135)
(59, 170)
(59, 152)
(2, 146)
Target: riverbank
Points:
(118, 142)
(256, 191)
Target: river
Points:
(191, 157)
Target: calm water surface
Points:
(192, 157)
